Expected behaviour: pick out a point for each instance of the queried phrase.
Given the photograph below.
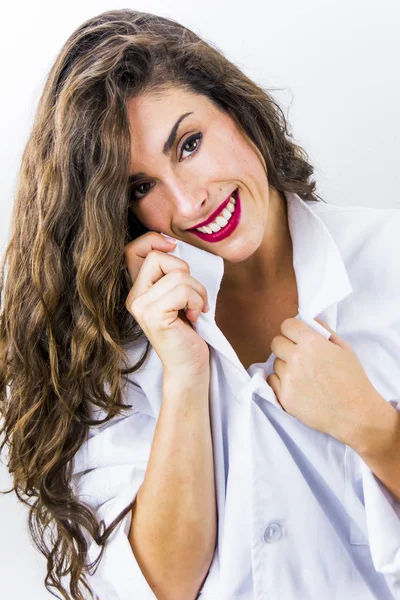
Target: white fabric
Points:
(300, 515)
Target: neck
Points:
(270, 268)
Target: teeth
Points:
(221, 220)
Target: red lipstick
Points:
(216, 213)
(229, 228)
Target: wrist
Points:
(380, 439)
(187, 378)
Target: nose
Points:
(189, 203)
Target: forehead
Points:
(154, 117)
(156, 107)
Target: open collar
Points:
(321, 277)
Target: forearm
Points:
(174, 519)
(379, 448)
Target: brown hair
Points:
(63, 321)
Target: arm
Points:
(379, 447)
(174, 519)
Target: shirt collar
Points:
(321, 275)
(321, 278)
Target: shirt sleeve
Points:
(108, 471)
(383, 521)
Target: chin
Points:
(239, 254)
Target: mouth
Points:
(215, 214)
(225, 224)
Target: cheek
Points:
(151, 214)
(221, 164)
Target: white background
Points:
(336, 64)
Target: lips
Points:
(217, 212)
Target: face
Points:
(209, 159)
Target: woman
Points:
(250, 448)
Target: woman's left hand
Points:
(322, 383)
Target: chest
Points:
(250, 326)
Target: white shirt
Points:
(300, 515)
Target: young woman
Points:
(216, 417)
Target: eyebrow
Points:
(167, 146)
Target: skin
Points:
(320, 382)
(184, 189)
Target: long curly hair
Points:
(64, 325)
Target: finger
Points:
(166, 307)
(154, 267)
(282, 347)
(171, 281)
(279, 367)
(298, 331)
(334, 337)
(186, 296)
(137, 250)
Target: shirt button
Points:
(273, 533)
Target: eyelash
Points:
(196, 137)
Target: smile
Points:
(224, 224)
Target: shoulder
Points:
(368, 240)
(357, 224)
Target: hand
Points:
(322, 382)
(162, 288)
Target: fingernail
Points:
(170, 239)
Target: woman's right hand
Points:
(162, 288)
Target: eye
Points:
(191, 139)
(188, 142)
(133, 190)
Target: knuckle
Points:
(153, 257)
(129, 246)
(187, 288)
(179, 275)
(296, 358)
(183, 265)
(133, 305)
(153, 254)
